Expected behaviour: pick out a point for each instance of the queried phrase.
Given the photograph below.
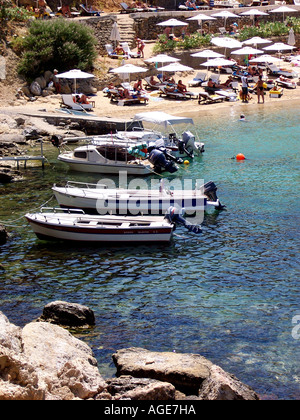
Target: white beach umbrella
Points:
(176, 67)
(200, 18)
(172, 23)
(256, 40)
(279, 47)
(225, 14)
(283, 10)
(162, 58)
(115, 33)
(128, 69)
(254, 12)
(218, 62)
(247, 51)
(207, 54)
(75, 74)
(226, 42)
(265, 59)
(291, 38)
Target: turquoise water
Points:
(229, 294)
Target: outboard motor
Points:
(160, 162)
(190, 144)
(56, 140)
(174, 217)
(210, 190)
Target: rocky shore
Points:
(44, 361)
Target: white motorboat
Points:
(105, 160)
(114, 158)
(98, 199)
(78, 227)
(180, 145)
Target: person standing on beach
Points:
(244, 89)
(260, 90)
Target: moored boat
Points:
(97, 198)
(55, 224)
(76, 226)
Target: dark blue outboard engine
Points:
(161, 160)
(173, 216)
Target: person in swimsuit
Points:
(260, 90)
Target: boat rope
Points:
(9, 222)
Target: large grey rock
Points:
(189, 373)
(68, 314)
(185, 371)
(44, 361)
(127, 387)
(223, 386)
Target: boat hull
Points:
(125, 203)
(49, 227)
(109, 168)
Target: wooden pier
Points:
(25, 159)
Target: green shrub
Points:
(188, 43)
(57, 44)
(8, 12)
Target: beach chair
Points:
(286, 83)
(150, 85)
(127, 9)
(68, 102)
(276, 71)
(89, 12)
(176, 94)
(128, 52)
(223, 31)
(198, 79)
(228, 95)
(110, 52)
(205, 98)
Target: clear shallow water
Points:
(229, 294)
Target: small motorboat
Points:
(180, 145)
(113, 158)
(76, 226)
(98, 199)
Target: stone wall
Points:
(102, 27)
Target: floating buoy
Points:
(240, 156)
(186, 162)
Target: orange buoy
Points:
(240, 156)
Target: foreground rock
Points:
(68, 314)
(43, 361)
(189, 373)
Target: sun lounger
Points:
(198, 79)
(89, 12)
(205, 98)
(276, 71)
(128, 52)
(151, 85)
(176, 94)
(127, 9)
(67, 101)
(111, 54)
(286, 83)
(228, 95)
(129, 101)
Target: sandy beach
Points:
(104, 107)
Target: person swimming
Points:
(242, 117)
